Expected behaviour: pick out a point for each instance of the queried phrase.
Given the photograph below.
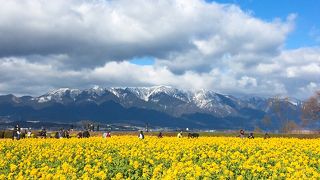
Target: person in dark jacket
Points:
(23, 135)
(43, 133)
(67, 133)
(86, 134)
(266, 136)
(141, 135)
(80, 134)
(16, 132)
(251, 136)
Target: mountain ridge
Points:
(195, 108)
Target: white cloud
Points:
(40, 78)
(268, 68)
(305, 70)
(246, 81)
(309, 89)
(71, 43)
(89, 33)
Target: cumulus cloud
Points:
(237, 38)
(41, 78)
(308, 89)
(296, 69)
(89, 33)
(195, 44)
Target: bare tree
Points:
(278, 110)
(257, 129)
(266, 121)
(281, 109)
(86, 124)
(311, 109)
(290, 126)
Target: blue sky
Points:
(307, 20)
(144, 60)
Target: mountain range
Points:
(159, 106)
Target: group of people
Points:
(43, 133)
(83, 134)
(17, 134)
(179, 135)
(190, 135)
(251, 136)
(62, 134)
(141, 135)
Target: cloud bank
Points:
(195, 44)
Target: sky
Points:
(239, 47)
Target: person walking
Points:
(179, 134)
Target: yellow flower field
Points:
(127, 157)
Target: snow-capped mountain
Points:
(201, 107)
(163, 98)
(58, 95)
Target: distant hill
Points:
(159, 106)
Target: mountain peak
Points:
(62, 91)
(57, 95)
(59, 90)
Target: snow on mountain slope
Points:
(212, 102)
(161, 98)
(58, 95)
(202, 99)
(145, 93)
(96, 90)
